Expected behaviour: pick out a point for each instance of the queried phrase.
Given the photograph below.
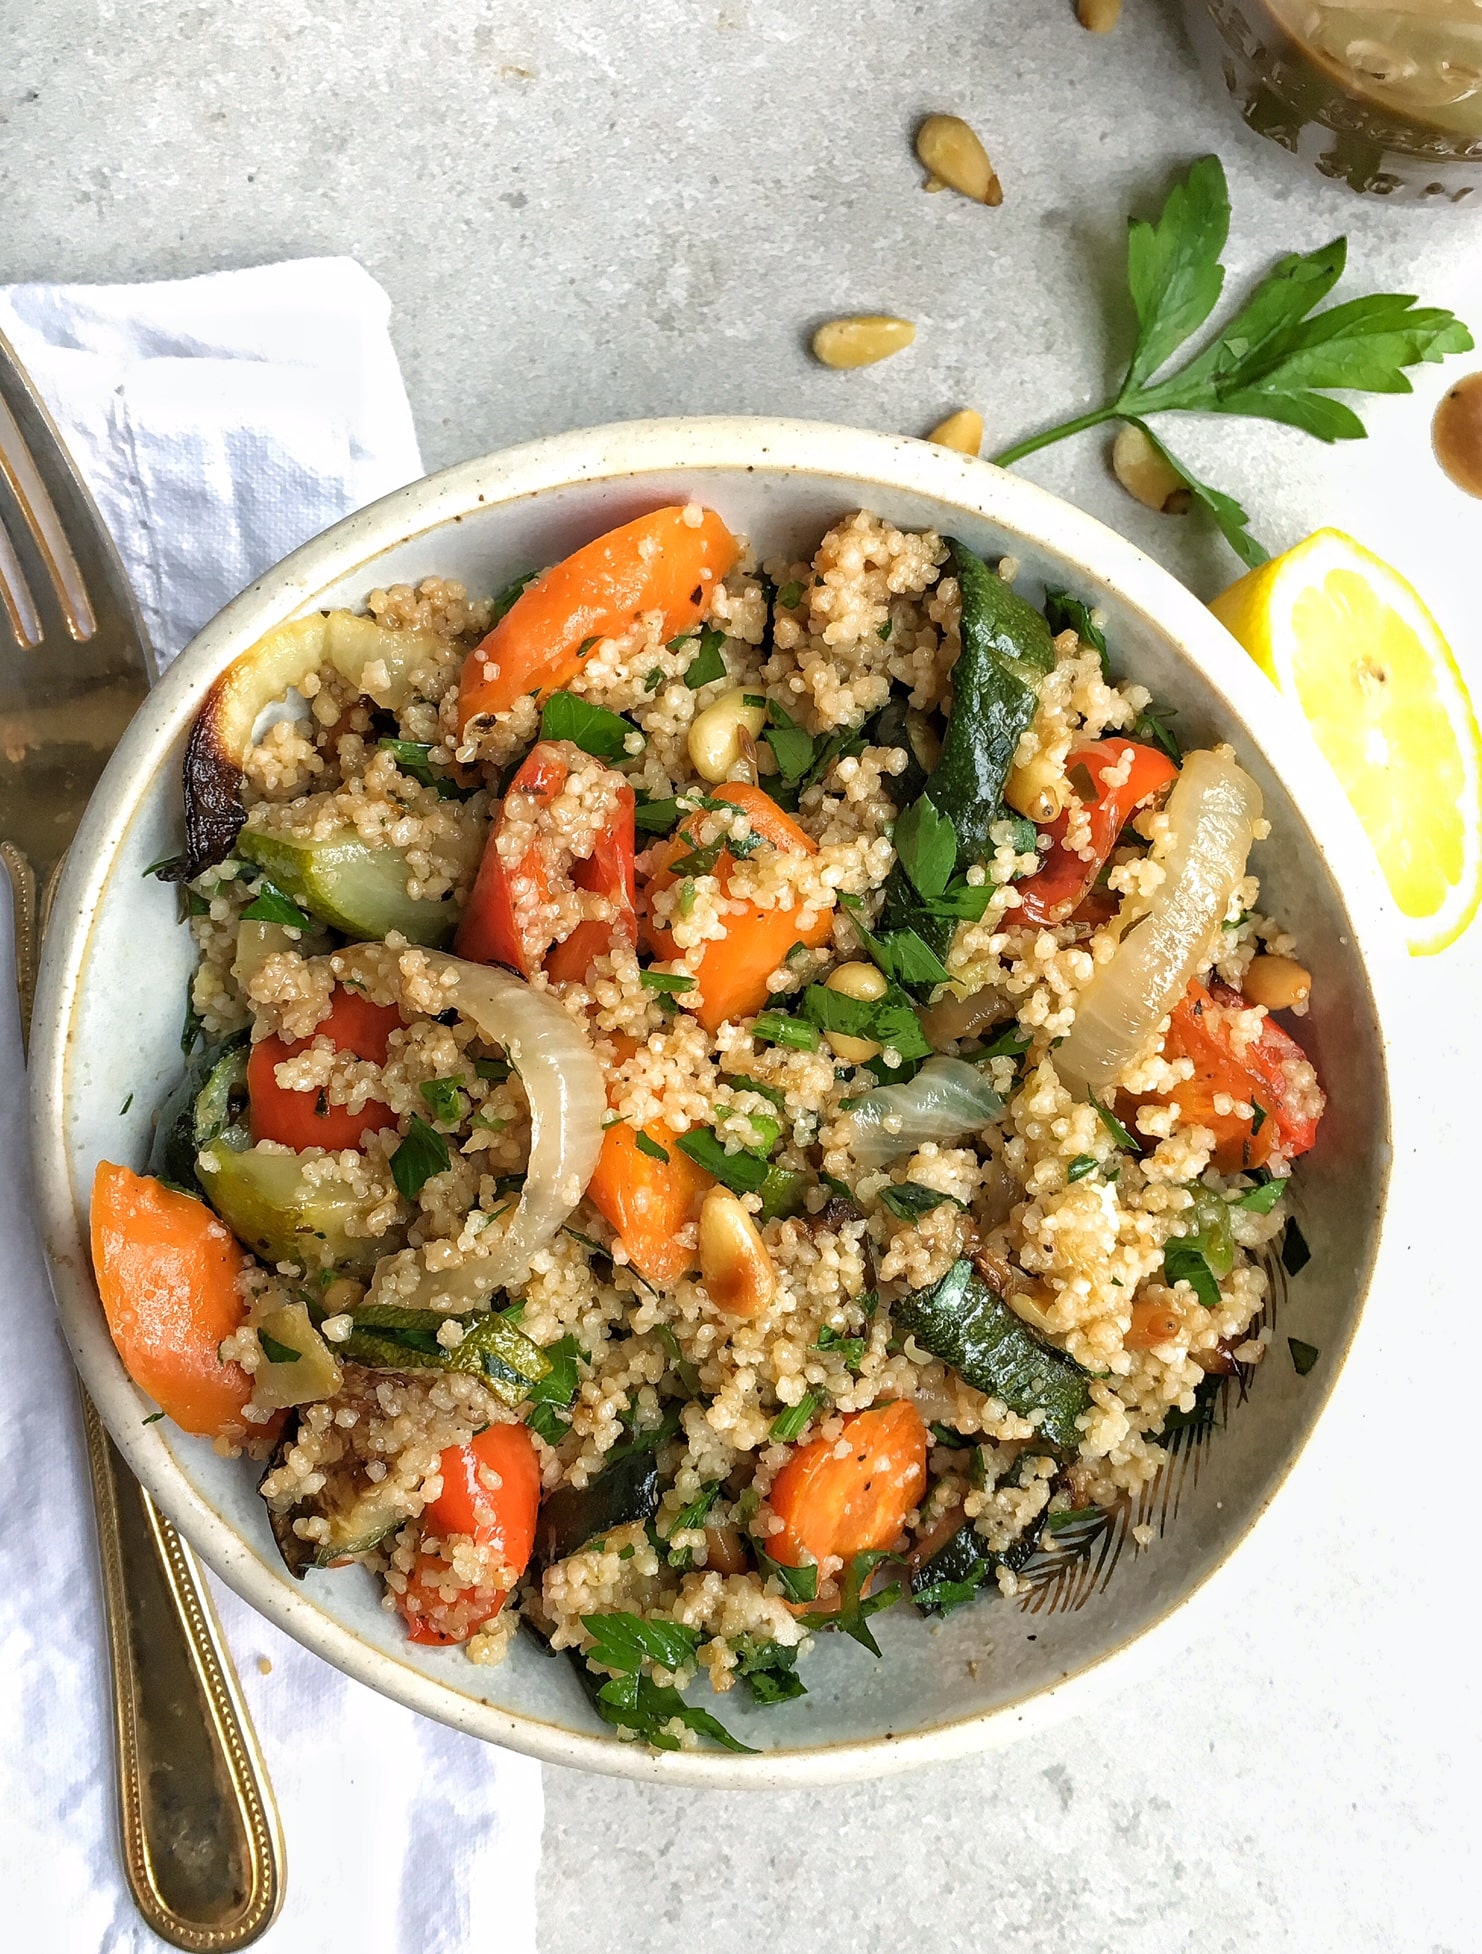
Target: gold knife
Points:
(202, 1847)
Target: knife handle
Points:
(202, 1847)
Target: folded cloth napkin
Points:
(221, 421)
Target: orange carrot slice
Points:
(167, 1272)
(661, 562)
(649, 1200)
(841, 1507)
(731, 981)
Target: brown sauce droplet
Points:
(1456, 433)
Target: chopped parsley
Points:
(1115, 1127)
(788, 1424)
(276, 1352)
(667, 983)
(777, 1028)
(414, 758)
(444, 1099)
(423, 1153)
(926, 842)
(650, 1147)
(1083, 1164)
(890, 1020)
(743, 1173)
(1304, 1355)
(909, 1200)
(790, 596)
(797, 1583)
(1261, 1200)
(1183, 1261)
(708, 664)
(593, 728)
(270, 905)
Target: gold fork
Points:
(202, 1849)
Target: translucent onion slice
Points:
(562, 1081)
(946, 1099)
(1213, 810)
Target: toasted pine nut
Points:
(861, 341)
(1145, 475)
(962, 431)
(725, 1550)
(1277, 982)
(953, 156)
(734, 1262)
(865, 982)
(715, 737)
(1032, 1305)
(1038, 790)
(1100, 16)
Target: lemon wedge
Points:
(1345, 637)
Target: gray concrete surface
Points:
(583, 213)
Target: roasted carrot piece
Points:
(731, 981)
(500, 1515)
(167, 1273)
(661, 562)
(649, 1200)
(1265, 1075)
(839, 1507)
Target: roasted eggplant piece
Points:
(360, 1515)
(623, 1492)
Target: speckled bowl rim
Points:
(666, 448)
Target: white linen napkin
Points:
(221, 421)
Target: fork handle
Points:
(202, 1849)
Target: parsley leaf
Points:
(657, 817)
(909, 1200)
(414, 758)
(1066, 613)
(1183, 1262)
(650, 1147)
(889, 1020)
(901, 954)
(797, 1583)
(593, 728)
(1261, 1200)
(270, 905)
(276, 1352)
(926, 843)
(769, 1670)
(1304, 1355)
(707, 665)
(511, 593)
(743, 1173)
(423, 1153)
(1277, 359)
(1114, 1126)
(855, 1608)
(443, 1099)
(1083, 1164)
(625, 1642)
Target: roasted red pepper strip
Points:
(1272, 1073)
(1057, 889)
(301, 1119)
(507, 916)
(499, 1515)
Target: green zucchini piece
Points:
(202, 1106)
(384, 1337)
(360, 1515)
(1006, 651)
(969, 1326)
(268, 1202)
(356, 886)
(902, 726)
(955, 1572)
(626, 1491)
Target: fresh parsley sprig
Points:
(1278, 359)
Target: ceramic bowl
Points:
(107, 1027)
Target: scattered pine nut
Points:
(1099, 16)
(1145, 475)
(955, 159)
(962, 431)
(861, 341)
(1280, 983)
(737, 1270)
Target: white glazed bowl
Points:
(109, 1008)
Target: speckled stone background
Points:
(585, 212)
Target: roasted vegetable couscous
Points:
(720, 1096)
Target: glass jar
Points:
(1387, 99)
